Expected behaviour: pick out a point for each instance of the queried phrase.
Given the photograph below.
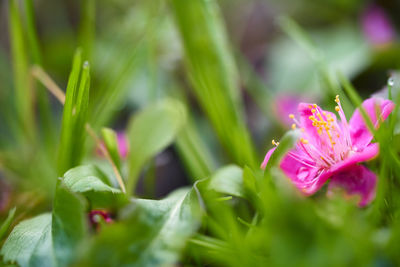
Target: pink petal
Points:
(266, 159)
(359, 133)
(368, 153)
(309, 180)
(306, 178)
(357, 180)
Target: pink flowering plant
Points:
(180, 183)
(332, 149)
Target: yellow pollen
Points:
(275, 143)
(291, 116)
(315, 105)
(304, 141)
(313, 110)
(311, 118)
(294, 126)
(337, 108)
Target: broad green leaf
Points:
(150, 233)
(49, 239)
(228, 180)
(68, 224)
(88, 178)
(150, 131)
(30, 243)
(7, 222)
(90, 181)
(213, 74)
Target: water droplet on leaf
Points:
(391, 81)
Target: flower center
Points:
(330, 144)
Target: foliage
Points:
(190, 191)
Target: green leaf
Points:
(30, 243)
(49, 239)
(68, 224)
(151, 131)
(90, 181)
(151, 232)
(74, 116)
(86, 178)
(228, 180)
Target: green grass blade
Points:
(7, 222)
(42, 98)
(74, 116)
(32, 33)
(23, 91)
(195, 155)
(87, 27)
(213, 74)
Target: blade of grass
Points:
(194, 153)
(43, 101)
(213, 74)
(74, 116)
(6, 224)
(23, 92)
(87, 27)
(59, 94)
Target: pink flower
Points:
(123, 146)
(332, 149)
(377, 27)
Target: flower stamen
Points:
(275, 143)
